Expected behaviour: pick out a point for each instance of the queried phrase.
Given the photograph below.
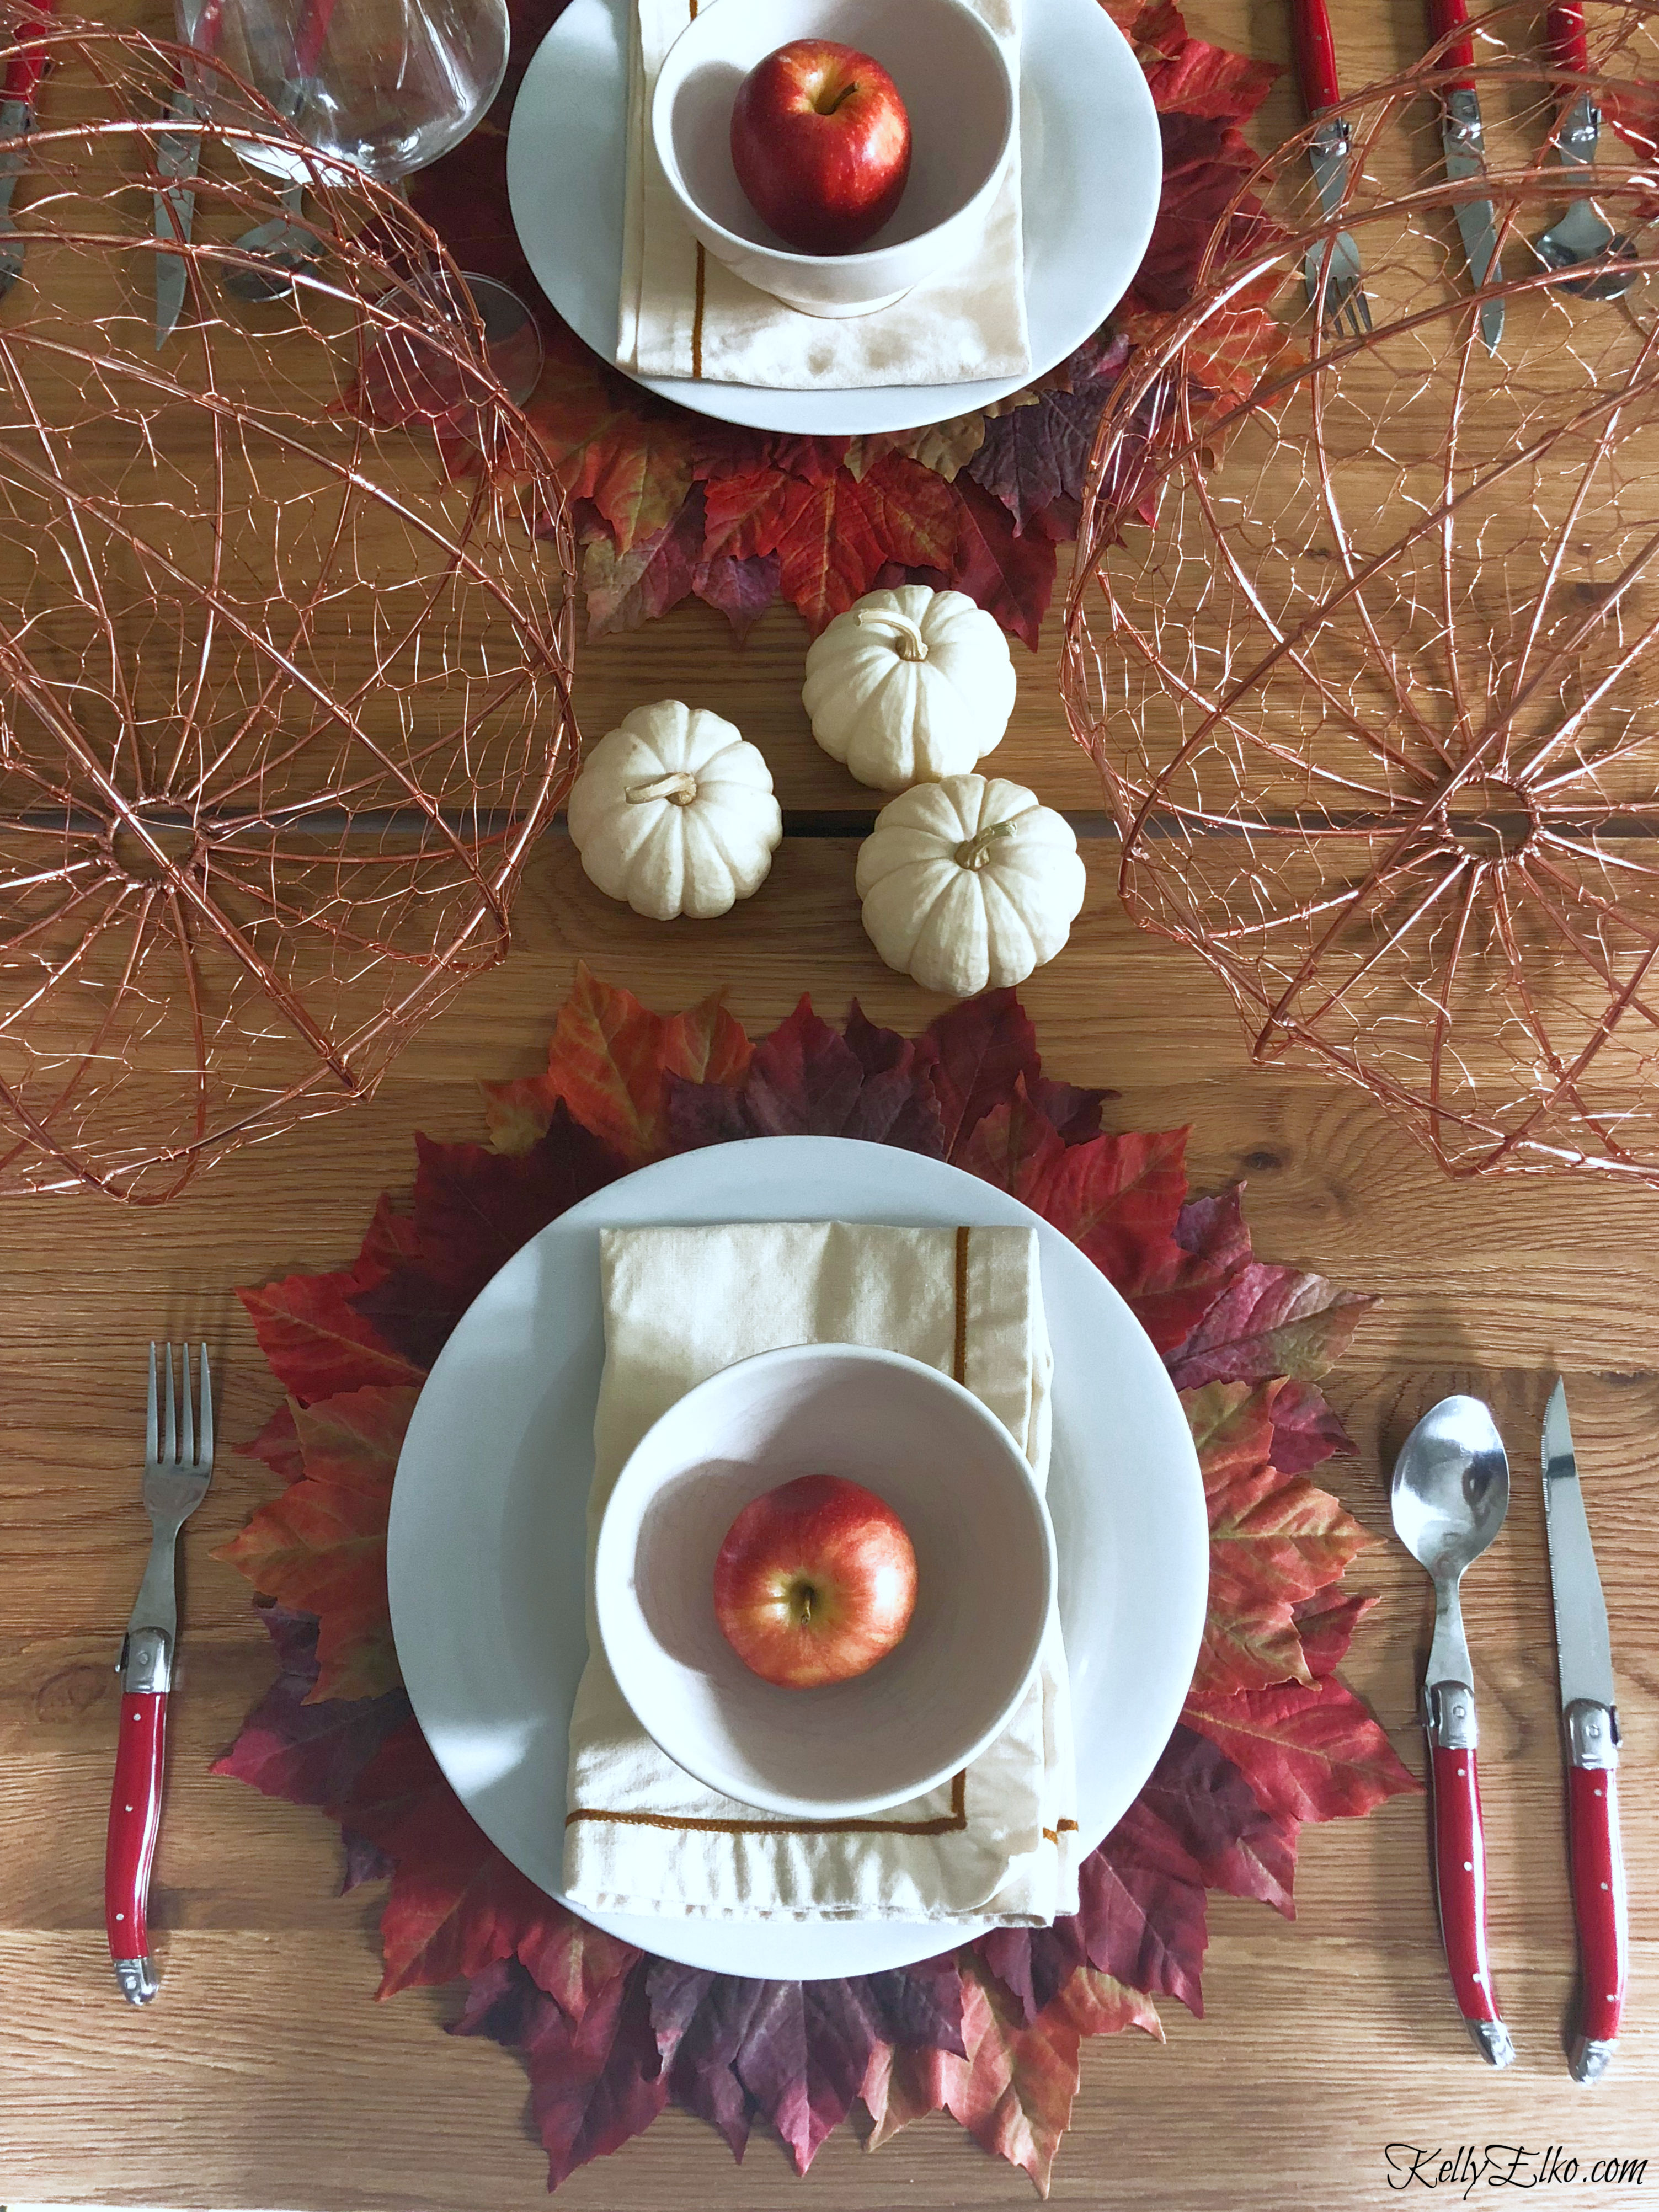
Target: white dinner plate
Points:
(1092, 169)
(486, 1553)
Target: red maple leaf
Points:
(981, 1050)
(1008, 572)
(474, 1208)
(595, 2080)
(1270, 1320)
(314, 1340)
(1013, 2089)
(1325, 1623)
(457, 1905)
(320, 1546)
(1204, 1802)
(806, 1079)
(832, 536)
(1312, 1751)
(612, 446)
(608, 1060)
(798, 2052)
(1274, 1541)
(740, 589)
(1206, 163)
(625, 590)
(310, 1754)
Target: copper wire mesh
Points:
(284, 661)
(1374, 694)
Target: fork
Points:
(1330, 269)
(178, 1465)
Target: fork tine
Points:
(170, 1427)
(205, 1455)
(150, 1453)
(1364, 309)
(187, 1457)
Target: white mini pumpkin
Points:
(674, 813)
(909, 686)
(969, 884)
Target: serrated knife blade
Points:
(1582, 1644)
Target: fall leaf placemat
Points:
(668, 503)
(1269, 1737)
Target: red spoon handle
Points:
(1446, 16)
(1460, 1875)
(135, 1817)
(1598, 1898)
(1316, 55)
(1564, 36)
(28, 64)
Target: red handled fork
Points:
(177, 1465)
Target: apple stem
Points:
(678, 789)
(912, 645)
(974, 852)
(840, 100)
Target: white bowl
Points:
(985, 1579)
(954, 78)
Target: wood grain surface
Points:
(266, 2076)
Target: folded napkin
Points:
(641, 1835)
(683, 314)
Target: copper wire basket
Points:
(285, 638)
(1364, 631)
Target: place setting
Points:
(835, 1471)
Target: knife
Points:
(1464, 144)
(1590, 1720)
(177, 153)
(23, 74)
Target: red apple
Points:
(816, 1581)
(821, 145)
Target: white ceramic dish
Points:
(1092, 169)
(953, 77)
(486, 1551)
(985, 1579)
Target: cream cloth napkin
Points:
(641, 1834)
(683, 314)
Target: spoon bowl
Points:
(1581, 237)
(1451, 1487)
(285, 246)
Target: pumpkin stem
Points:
(912, 645)
(678, 789)
(974, 852)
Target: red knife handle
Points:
(135, 1817)
(1563, 38)
(1446, 16)
(28, 64)
(1600, 1910)
(1316, 55)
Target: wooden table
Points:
(266, 2076)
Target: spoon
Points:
(1451, 1490)
(1581, 235)
(284, 243)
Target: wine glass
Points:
(382, 86)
